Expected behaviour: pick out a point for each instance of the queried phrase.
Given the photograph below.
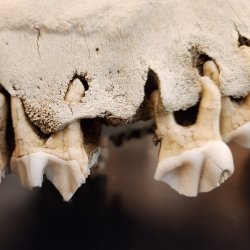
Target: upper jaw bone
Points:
(62, 157)
(193, 159)
(235, 115)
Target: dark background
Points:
(122, 207)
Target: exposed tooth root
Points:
(235, 116)
(62, 157)
(211, 70)
(3, 143)
(190, 158)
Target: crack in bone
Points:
(37, 41)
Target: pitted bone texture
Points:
(43, 44)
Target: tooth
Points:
(193, 159)
(235, 116)
(3, 144)
(62, 157)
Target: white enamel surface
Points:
(65, 175)
(241, 136)
(197, 170)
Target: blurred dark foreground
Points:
(122, 207)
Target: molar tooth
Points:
(62, 157)
(190, 158)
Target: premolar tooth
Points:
(235, 116)
(62, 157)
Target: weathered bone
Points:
(193, 159)
(62, 157)
(235, 115)
(3, 140)
(112, 45)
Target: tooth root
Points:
(235, 117)
(190, 157)
(62, 157)
(26, 139)
(75, 93)
(211, 70)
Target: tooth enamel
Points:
(190, 158)
(3, 142)
(235, 116)
(62, 157)
(30, 168)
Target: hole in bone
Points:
(151, 83)
(236, 99)
(199, 58)
(243, 41)
(82, 79)
(187, 117)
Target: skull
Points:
(71, 66)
